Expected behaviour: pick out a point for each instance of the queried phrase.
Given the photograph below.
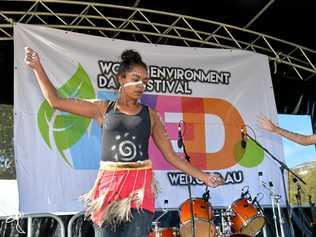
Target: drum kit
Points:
(197, 217)
(241, 219)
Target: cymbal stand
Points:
(225, 222)
(156, 222)
(281, 220)
(275, 201)
(282, 167)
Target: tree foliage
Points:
(7, 161)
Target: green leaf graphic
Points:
(44, 116)
(61, 130)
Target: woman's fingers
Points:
(215, 180)
(30, 57)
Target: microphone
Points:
(206, 195)
(254, 200)
(180, 142)
(245, 192)
(243, 133)
(245, 195)
(261, 181)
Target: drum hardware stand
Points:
(187, 158)
(275, 201)
(283, 167)
(255, 202)
(156, 222)
(223, 222)
(245, 193)
(156, 228)
(226, 223)
(264, 231)
(281, 220)
(221, 229)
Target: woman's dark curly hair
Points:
(130, 58)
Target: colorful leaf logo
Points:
(61, 130)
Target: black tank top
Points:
(125, 137)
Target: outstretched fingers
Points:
(31, 58)
(215, 180)
(265, 123)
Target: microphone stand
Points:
(298, 194)
(304, 219)
(156, 222)
(283, 167)
(187, 158)
(274, 202)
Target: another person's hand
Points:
(266, 123)
(31, 58)
(213, 180)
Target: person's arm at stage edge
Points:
(161, 139)
(90, 109)
(269, 126)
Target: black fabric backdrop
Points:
(295, 96)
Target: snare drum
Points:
(245, 218)
(165, 232)
(203, 216)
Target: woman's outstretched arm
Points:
(86, 108)
(269, 126)
(162, 140)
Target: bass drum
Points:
(245, 218)
(203, 218)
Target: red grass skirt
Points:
(119, 187)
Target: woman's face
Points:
(134, 83)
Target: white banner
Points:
(213, 91)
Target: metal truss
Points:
(155, 27)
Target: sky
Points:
(294, 153)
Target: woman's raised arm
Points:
(162, 140)
(86, 108)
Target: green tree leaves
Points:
(60, 130)
(7, 162)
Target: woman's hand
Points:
(213, 180)
(31, 58)
(266, 123)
